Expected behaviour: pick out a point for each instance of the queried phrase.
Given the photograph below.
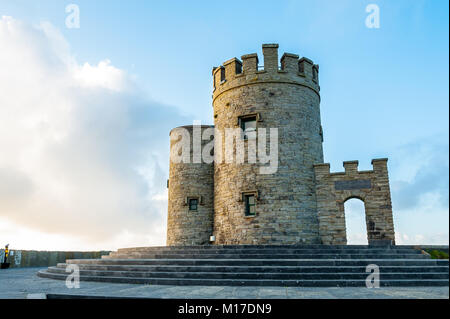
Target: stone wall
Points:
(35, 258)
(286, 99)
(372, 187)
(190, 179)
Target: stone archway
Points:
(355, 221)
(372, 187)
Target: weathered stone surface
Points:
(289, 101)
(377, 201)
(18, 283)
(301, 202)
(189, 180)
(36, 258)
(261, 265)
(352, 184)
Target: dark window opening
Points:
(193, 203)
(238, 68)
(248, 125)
(250, 205)
(222, 74)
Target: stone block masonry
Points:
(189, 180)
(280, 98)
(372, 187)
(301, 202)
(34, 258)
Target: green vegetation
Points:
(437, 254)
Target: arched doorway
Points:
(371, 186)
(355, 222)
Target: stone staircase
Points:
(262, 265)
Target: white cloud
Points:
(82, 154)
(420, 239)
(103, 75)
(419, 186)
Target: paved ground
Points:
(23, 283)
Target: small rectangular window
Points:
(222, 74)
(250, 205)
(193, 203)
(248, 125)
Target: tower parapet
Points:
(234, 72)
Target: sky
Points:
(85, 112)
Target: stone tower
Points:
(286, 98)
(190, 182)
(246, 200)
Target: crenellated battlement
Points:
(292, 69)
(351, 168)
(239, 202)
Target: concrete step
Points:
(196, 250)
(253, 275)
(259, 247)
(273, 251)
(260, 269)
(261, 265)
(135, 255)
(266, 262)
(250, 282)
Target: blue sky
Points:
(396, 69)
(384, 91)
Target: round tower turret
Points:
(191, 197)
(279, 207)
